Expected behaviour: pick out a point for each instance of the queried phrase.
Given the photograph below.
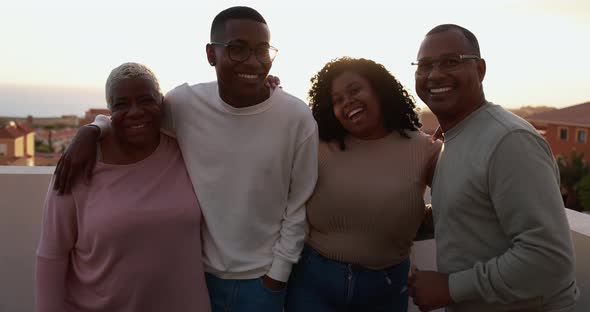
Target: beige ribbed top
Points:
(368, 202)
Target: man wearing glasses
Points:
(503, 240)
(253, 160)
(251, 153)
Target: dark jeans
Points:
(243, 295)
(320, 284)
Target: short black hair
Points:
(237, 12)
(468, 34)
(397, 105)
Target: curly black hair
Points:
(397, 105)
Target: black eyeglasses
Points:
(446, 63)
(239, 52)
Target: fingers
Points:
(268, 83)
(272, 82)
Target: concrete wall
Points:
(30, 144)
(19, 147)
(23, 189)
(580, 227)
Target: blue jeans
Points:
(243, 295)
(320, 284)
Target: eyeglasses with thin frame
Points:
(446, 63)
(239, 52)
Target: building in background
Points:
(90, 114)
(17, 144)
(56, 140)
(565, 129)
(64, 121)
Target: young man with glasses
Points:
(251, 153)
(503, 239)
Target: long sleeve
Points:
(524, 189)
(304, 174)
(58, 236)
(50, 282)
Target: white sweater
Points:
(253, 169)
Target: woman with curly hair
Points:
(374, 166)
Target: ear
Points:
(211, 57)
(481, 69)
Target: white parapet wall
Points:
(23, 189)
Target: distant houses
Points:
(430, 123)
(30, 141)
(90, 114)
(565, 129)
(71, 121)
(17, 144)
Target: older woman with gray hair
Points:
(128, 240)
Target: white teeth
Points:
(354, 111)
(440, 90)
(248, 76)
(137, 126)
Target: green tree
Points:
(571, 172)
(583, 192)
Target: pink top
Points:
(129, 241)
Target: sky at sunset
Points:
(55, 55)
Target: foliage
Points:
(583, 190)
(43, 148)
(572, 169)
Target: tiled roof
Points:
(24, 128)
(576, 115)
(13, 130)
(97, 111)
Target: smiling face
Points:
(357, 107)
(136, 112)
(241, 83)
(453, 94)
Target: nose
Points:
(435, 73)
(135, 110)
(252, 60)
(347, 99)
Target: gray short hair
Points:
(127, 71)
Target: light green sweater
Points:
(500, 223)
